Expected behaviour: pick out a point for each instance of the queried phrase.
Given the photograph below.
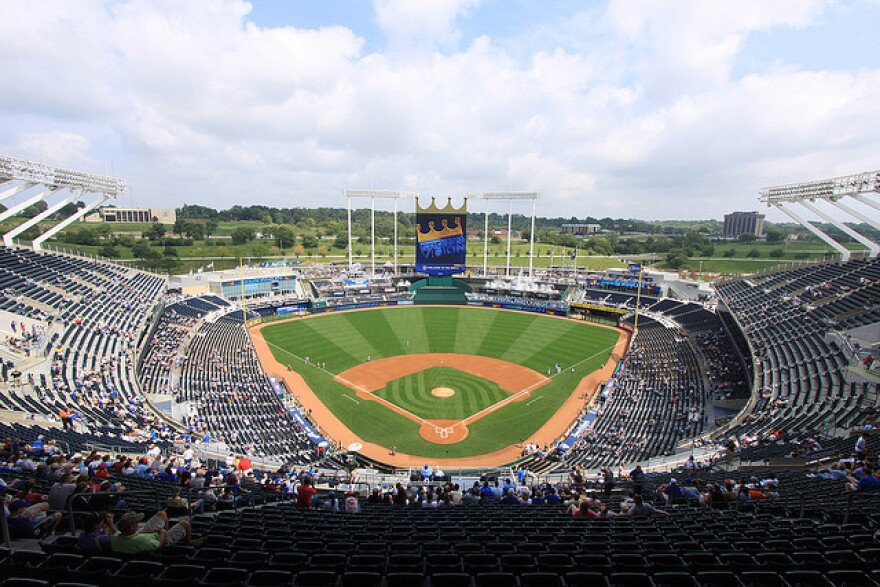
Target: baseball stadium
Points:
(433, 418)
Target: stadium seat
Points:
(270, 577)
(224, 577)
(450, 580)
(361, 579)
(313, 578)
(497, 579)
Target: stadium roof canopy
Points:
(857, 188)
(41, 182)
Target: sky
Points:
(651, 109)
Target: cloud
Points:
(422, 24)
(629, 110)
(58, 147)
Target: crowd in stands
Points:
(220, 379)
(712, 527)
(659, 393)
(99, 312)
(801, 377)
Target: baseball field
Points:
(439, 382)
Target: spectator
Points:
(154, 535)
(32, 520)
(304, 493)
(640, 509)
(868, 483)
(96, 533)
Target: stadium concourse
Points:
(112, 384)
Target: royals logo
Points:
(441, 238)
(445, 230)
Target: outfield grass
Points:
(347, 339)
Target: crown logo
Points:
(445, 230)
(447, 209)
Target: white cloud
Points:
(195, 103)
(58, 147)
(425, 24)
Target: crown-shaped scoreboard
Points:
(441, 234)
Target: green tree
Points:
(747, 237)
(243, 235)
(121, 240)
(777, 253)
(155, 232)
(108, 251)
(676, 260)
(753, 254)
(729, 253)
(775, 236)
(341, 241)
(67, 210)
(179, 226)
(601, 246)
(141, 249)
(284, 237)
(309, 241)
(195, 230)
(495, 240)
(34, 209)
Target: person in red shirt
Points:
(304, 493)
(30, 494)
(245, 465)
(584, 511)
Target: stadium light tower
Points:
(374, 195)
(510, 197)
(857, 187)
(20, 175)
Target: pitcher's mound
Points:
(442, 392)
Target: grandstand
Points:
(753, 422)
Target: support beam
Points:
(14, 189)
(873, 248)
(348, 205)
(38, 242)
(9, 237)
(844, 252)
(395, 236)
(509, 227)
(29, 202)
(532, 241)
(373, 237)
(861, 198)
(486, 241)
(858, 215)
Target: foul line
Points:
(351, 398)
(526, 390)
(531, 401)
